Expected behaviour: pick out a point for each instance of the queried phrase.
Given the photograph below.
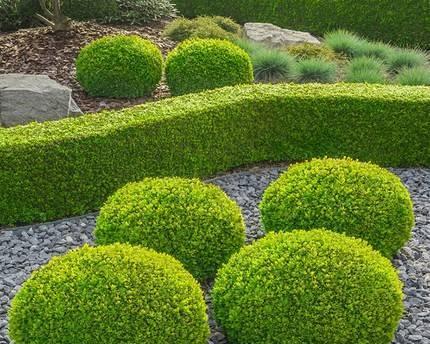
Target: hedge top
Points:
(310, 287)
(109, 294)
(100, 124)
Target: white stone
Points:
(274, 36)
(27, 98)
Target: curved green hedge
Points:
(403, 22)
(70, 167)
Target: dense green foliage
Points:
(406, 58)
(9, 17)
(307, 50)
(58, 169)
(417, 76)
(119, 66)
(203, 64)
(109, 294)
(181, 29)
(315, 70)
(313, 287)
(398, 21)
(194, 222)
(359, 199)
(366, 69)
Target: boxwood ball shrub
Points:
(308, 287)
(202, 64)
(360, 199)
(119, 66)
(194, 222)
(109, 294)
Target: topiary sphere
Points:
(109, 294)
(359, 199)
(202, 64)
(314, 287)
(194, 222)
(119, 66)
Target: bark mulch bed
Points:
(40, 51)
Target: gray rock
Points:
(274, 36)
(27, 98)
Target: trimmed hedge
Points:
(194, 222)
(359, 199)
(204, 64)
(308, 287)
(68, 167)
(119, 66)
(109, 294)
(403, 22)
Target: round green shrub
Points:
(203, 64)
(314, 287)
(109, 294)
(194, 222)
(119, 66)
(359, 199)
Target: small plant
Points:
(343, 42)
(119, 66)
(204, 64)
(202, 27)
(306, 51)
(406, 58)
(377, 50)
(109, 294)
(366, 69)
(308, 287)
(417, 76)
(315, 70)
(194, 222)
(359, 199)
(272, 66)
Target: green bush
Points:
(406, 58)
(397, 21)
(417, 76)
(204, 64)
(305, 51)
(105, 11)
(315, 70)
(181, 29)
(359, 199)
(308, 287)
(109, 294)
(194, 222)
(119, 66)
(9, 17)
(366, 69)
(272, 66)
(199, 135)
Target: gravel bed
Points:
(26, 248)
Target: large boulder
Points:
(28, 98)
(274, 36)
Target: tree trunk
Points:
(54, 18)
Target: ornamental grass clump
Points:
(343, 42)
(194, 222)
(272, 66)
(313, 286)
(359, 199)
(406, 58)
(366, 69)
(417, 76)
(203, 64)
(109, 294)
(119, 66)
(315, 70)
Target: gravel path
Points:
(24, 249)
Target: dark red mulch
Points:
(40, 51)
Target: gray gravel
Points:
(24, 249)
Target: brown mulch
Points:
(40, 51)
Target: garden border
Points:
(69, 167)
